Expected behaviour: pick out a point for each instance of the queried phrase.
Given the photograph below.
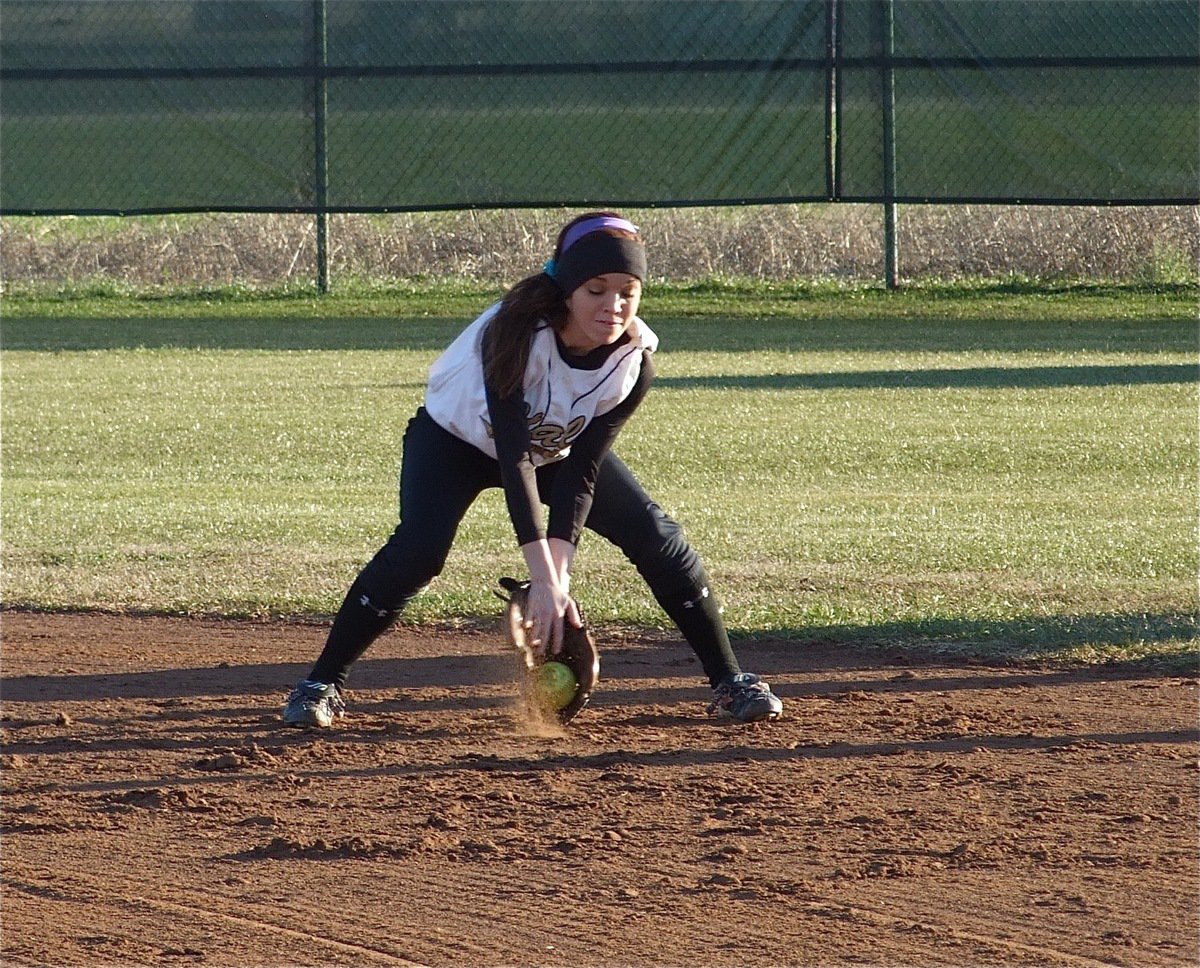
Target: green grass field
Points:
(1007, 473)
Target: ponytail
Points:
(506, 341)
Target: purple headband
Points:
(589, 250)
(596, 224)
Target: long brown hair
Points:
(533, 300)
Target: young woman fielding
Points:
(530, 398)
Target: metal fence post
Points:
(832, 46)
(891, 272)
(320, 113)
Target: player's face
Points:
(600, 311)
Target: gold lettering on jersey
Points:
(547, 440)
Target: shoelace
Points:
(312, 698)
(334, 700)
(722, 699)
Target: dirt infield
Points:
(155, 811)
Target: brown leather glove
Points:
(578, 653)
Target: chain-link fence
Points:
(324, 106)
(362, 105)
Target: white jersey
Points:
(560, 399)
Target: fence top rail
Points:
(725, 66)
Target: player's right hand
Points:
(547, 607)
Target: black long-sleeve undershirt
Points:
(574, 484)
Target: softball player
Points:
(530, 398)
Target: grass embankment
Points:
(1002, 469)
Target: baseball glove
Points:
(578, 654)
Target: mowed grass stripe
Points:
(1023, 488)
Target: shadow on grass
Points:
(977, 378)
(726, 334)
(1169, 640)
(277, 334)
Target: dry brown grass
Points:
(780, 242)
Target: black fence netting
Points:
(371, 105)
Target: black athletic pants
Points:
(442, 475)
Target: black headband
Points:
(595, 254)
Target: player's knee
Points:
(394, 576)
(663, 555)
